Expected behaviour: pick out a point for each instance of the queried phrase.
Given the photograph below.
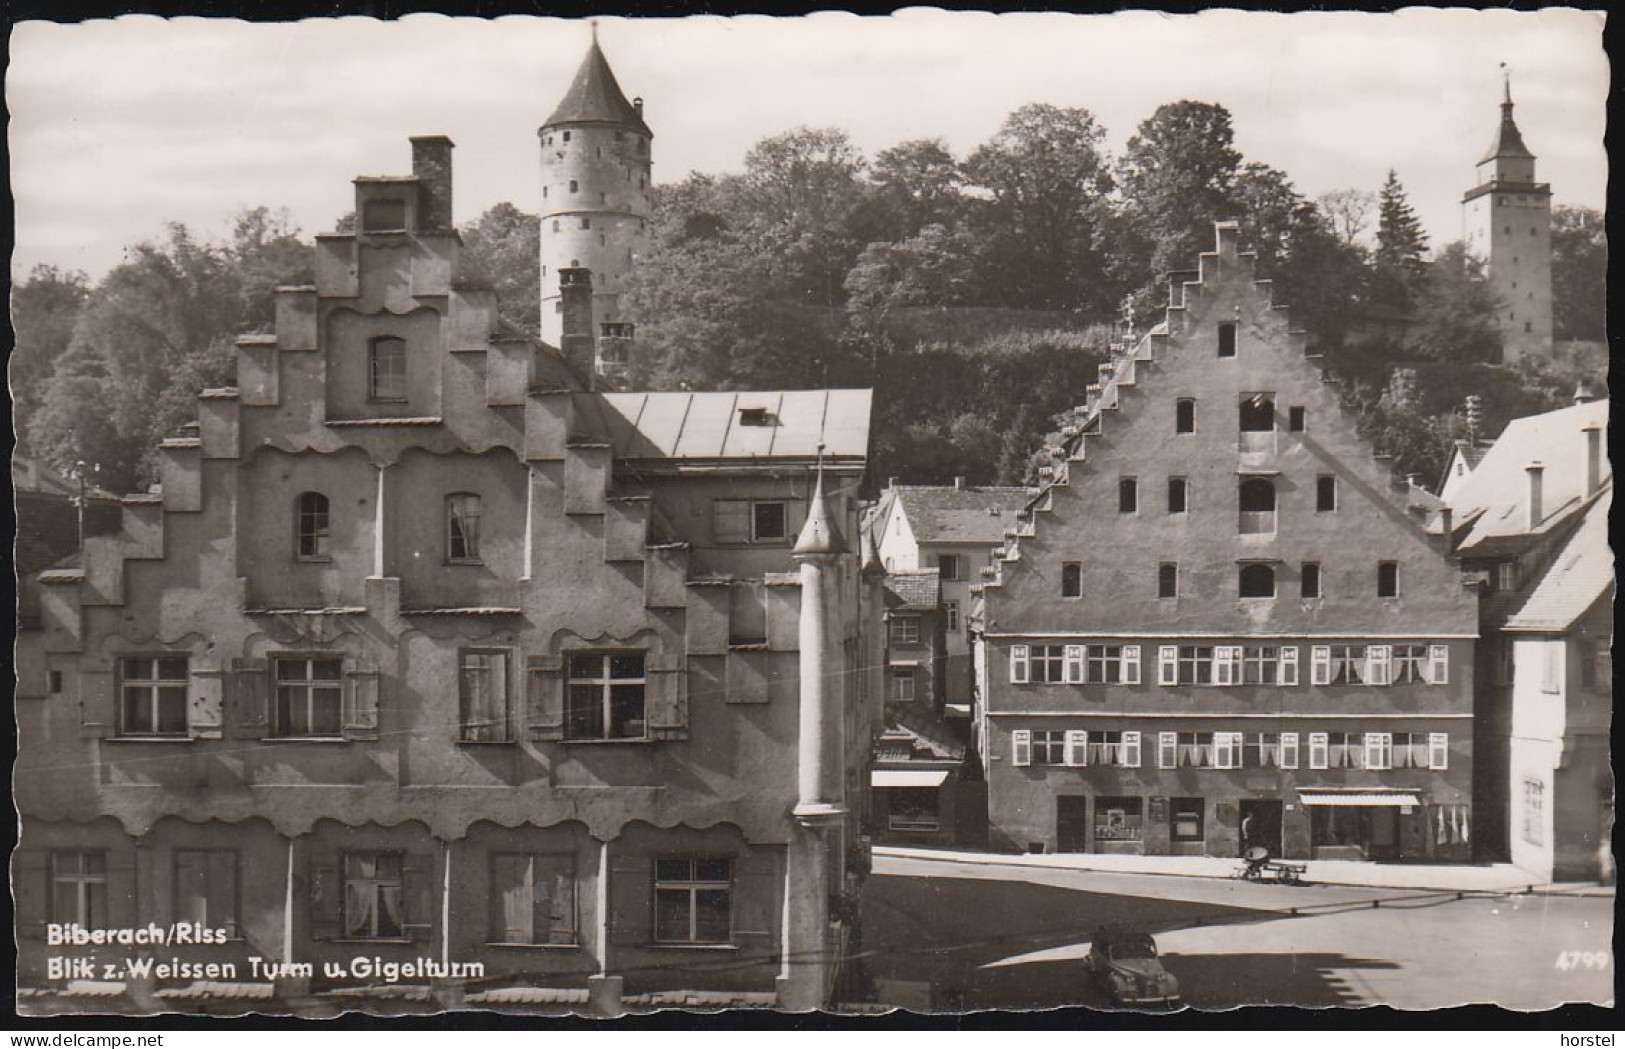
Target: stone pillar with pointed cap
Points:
(808, 966)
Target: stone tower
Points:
(595, 199)
(1507, 221)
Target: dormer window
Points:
(386, 363)
(383, 216)
(755, 417)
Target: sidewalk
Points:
(1495, 877)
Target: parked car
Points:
(1125, 963)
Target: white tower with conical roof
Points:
(596, 170)
(1507, 222)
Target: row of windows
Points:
(604, 696)
(1256, 415)
(1254, 495)
(1254, 579)
(1351, 664)
(533, 896)
(314, 532)
(620, 136)
(1079, 748)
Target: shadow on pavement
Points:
(1221, 981)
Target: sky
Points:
(118, 126)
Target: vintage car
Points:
(1124, 962)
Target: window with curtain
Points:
(311, 525)
(463, 528)
(482, 688)
(605, 696)
(533, 898)
(309, 697)
(374, 895)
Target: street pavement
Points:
(952, 934)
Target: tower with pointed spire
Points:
(596, 170)
(1507, 221)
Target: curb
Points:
(1578, 890)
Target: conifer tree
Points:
(1399, 263)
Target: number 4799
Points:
(1567, 960)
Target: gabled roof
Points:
(1580, 574)
(1494, 497)
(913, 591)
(595, 97)
(755, 426)
(949, 514)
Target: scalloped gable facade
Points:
(576, 555)
(1127, 433)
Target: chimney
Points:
(576, 330)
(637, 104)
(891, 482)
(959, 483)
(1535, 470)
(1447, 523)
(1227, 235)
(1593, 458)
(431, 163)
(1582, 392)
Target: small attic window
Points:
(756, 417)
(379, 216)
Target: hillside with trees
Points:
(976, 294)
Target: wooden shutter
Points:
(756, 908)
(631, 898)
(1320, 665)
(361, 689)
(1077, 747)
(326, 893)
(544, 698)
(420, 896)
(730, 521)
(205, 704)
(1130, 753)
(121, 904)
(1438, 750)
(1168, 665)
(1439, 664)
(1317, 750)
(1167, 750)
(665, 704)
(1131, 664)
(1289, 750)
(98, 709)
(1379, 664)
(1021, 747)
(1072, 664)
(1289, 665)
(1018, 664)
(249, 716)
(31, 889)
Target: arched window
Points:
(311, 527)
(386, 364)
(463, 528)
(1257, 580)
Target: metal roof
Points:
(740, 426)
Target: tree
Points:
(1046, 177)
(1177, 178)
(1348, 212)
(1456, 310)
(933, 268)
(1579, 274)
(1400, 260)
(501, 249)
(44, 308)
(915, 184)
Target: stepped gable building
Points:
(1531, 525)
(1507, 221)
(1222, 621)
(596, 174)
(424, 653)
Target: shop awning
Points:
(907, 777)
(1358, 797)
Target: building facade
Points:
(1507, 222)
(597, 166)
(1222, 621)
(426, 655)
(1530, 526)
